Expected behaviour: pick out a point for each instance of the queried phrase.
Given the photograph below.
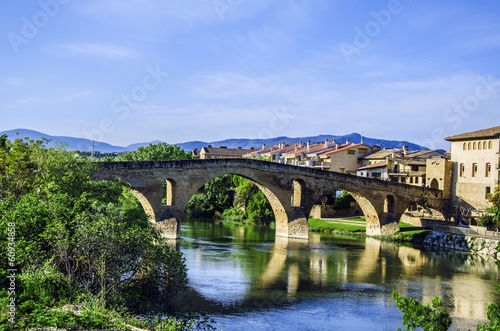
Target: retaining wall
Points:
(460, 242)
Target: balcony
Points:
(322, 165)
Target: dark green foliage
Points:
(215, 196)
(417, 315)
(259, 210)
(75, 236)
(494, 317)
(343, 201)
(155, 152)
(234, 199)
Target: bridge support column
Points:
(169, 224)
(294, 225)
(383, 224)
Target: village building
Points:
(304, 155)
(399, 165)
(344, 158)
(272, 153)
(475, 157)
(221, 152)
(374, 165)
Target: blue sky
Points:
(140, 70)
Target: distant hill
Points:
(257, 143)
(85, 145)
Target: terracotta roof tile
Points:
(382, 164)
(484, 133)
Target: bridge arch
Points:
(368, 209)
(146, 205)
(275, 200)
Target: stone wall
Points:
(459, 242)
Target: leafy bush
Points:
(486, 220)
(417, 315)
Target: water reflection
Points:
(236, 269)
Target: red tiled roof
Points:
(382, 164)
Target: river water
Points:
(246, 279)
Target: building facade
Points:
(221, 152)
(475, 156)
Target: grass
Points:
(342, 226)
(357, 226)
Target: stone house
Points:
(374, 165)
(344, 158)
(221, 152)
(476, 159)
(399, 165)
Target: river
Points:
(246, 279)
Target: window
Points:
(490, 145)
(462, 169)
(464, 147)
(487, 192)
(362, 150)
(469, 145)
(485, 145)
(351, 151)
(487, 170)
(474, 146)
(474, 169)
(342, 170)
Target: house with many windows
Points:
(399, 165)
(475, 157)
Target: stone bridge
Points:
(292, 191)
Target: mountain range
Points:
(86, 145)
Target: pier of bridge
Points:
(292, 191)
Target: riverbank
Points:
(413, 236)
(356, 226)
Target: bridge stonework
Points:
(292, 191)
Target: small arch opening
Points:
(389, 204)
(169, 192)
(298, 187)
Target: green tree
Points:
(76, 237)
(259, 210)
(249, 205)
(493, 315)
(155, 152)
(494, 210)
(417, 315)
(343, 201)
(213, 198)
